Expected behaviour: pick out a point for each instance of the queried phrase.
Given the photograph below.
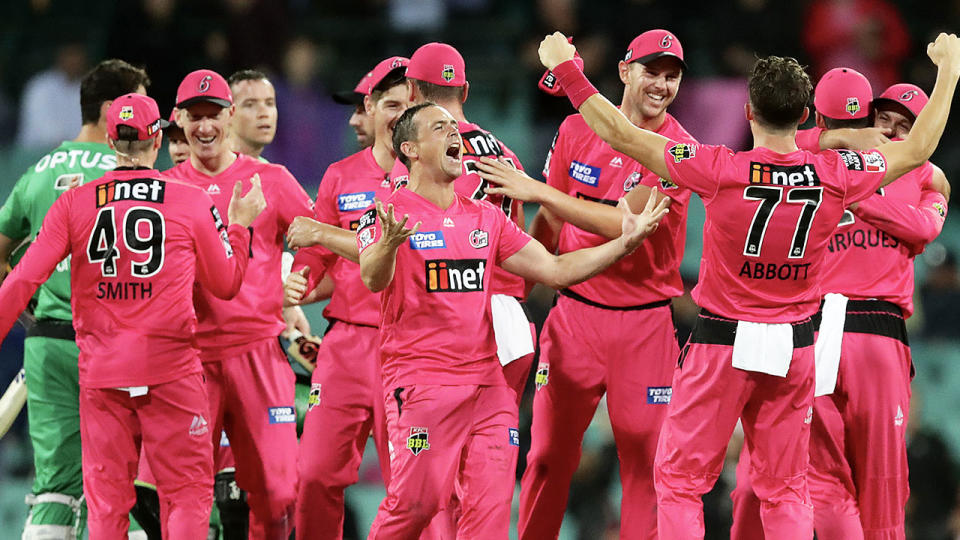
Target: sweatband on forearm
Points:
(574, 83)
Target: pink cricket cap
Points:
(437, 63)
(380, 72)
(204, 85)
(653, 44)
(843, 93)
(137, 111)
(908, 96)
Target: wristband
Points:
(574, 83)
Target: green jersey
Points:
(22, 214)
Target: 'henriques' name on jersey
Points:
(783, 175)
(142, 189)
(455, 275)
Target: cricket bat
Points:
(303, 349)
(12, 401)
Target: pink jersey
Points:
(809, 139)
(884, 233)
(347, 191)
(137, 243)
(582, 165)
(769, 218)
(477, 143)
(226, 327)
(435, 325)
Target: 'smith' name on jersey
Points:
(455, 275)
(783, 175)
(144, 189)
(130, 290)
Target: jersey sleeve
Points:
(399, 175)
(222, 252)
(915, 226)
(512, 238)
(293, 200)
(368, 230)
(809, 139)
(862, 173)
(557, 162)
(697, 167)
(325, 207)
(13, 216)
(51, 246)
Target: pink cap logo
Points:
(126, 112)
(204, 84)
(909, 95)
(853, 105)
(448, 72)
(666, 42)
(395, 63)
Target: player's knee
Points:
(69, 525)
(780, 489)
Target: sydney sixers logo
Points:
(479, 239)
(909, 95)
(666, 42)
(204, 84)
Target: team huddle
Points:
(162, 296)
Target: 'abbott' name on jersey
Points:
(145, 189)
(455, 275)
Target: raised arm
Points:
(223, 252)
(305, 232)
(647, 147)
(378, 260)
(590, 216)
(924, 136)
(535, 263)
(915, 226)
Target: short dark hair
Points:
(128, 141)
(439, 94)
(855, 123)
(406, 130)
(779, 91)
(246, 75)
(394, 78)
(107, 81)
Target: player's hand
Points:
(555, 50)
(294, 289)
(296, 322)
(945, 52)
(304, 232)
(244, 210)
(509, 181)
(394, 232)
(637, 227)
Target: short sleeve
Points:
(809, 139)
(697, 167)
(555, 166)
(862, 173)
(512, 238)
(399, 176)
(368, 230)
(13, 216)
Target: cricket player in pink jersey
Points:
(138, 242)
(858, 462)
(249, 381)
(437, 73)
(346, 394)
(451, 418)
(588, 345)
(771, 212)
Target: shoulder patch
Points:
(851, 159)
(367, 219)
(682, 151)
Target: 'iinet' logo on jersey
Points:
(455, 275)
(783, 175)
(141, 189)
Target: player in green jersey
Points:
(50, 354)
